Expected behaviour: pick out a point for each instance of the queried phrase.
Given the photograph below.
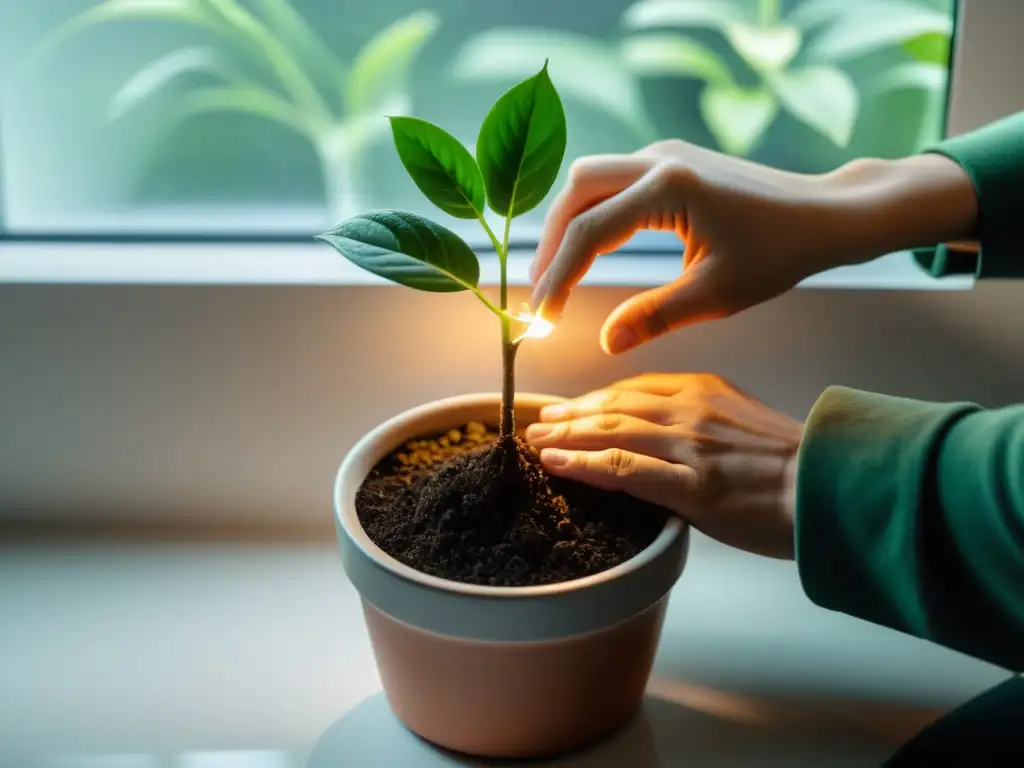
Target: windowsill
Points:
(256, 655)
(296, 264)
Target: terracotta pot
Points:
(503, 671)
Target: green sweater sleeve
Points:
(993, 157)
(911, 515)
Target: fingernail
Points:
(621, 339)
(539, 431)
(537, 297)
(553, 412)
(554, 458)
(534, 270)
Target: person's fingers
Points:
(647, 478)
(591, 180)
(663, 384)
(640, 405)
(608, 430)
(695, 297)
(653, 202)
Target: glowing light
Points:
(536, 326)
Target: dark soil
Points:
(469, 507)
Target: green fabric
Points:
(993, 157)
(911, 515)
(940, 261)
(983, 732)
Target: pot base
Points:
(515, 700)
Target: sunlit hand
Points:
(751, 232)
(692, 443)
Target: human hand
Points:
(692, 443)
(750, 232)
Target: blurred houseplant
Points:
(796, 62)
(270, 63)
(754, 62)
(590, 70)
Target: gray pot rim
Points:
(361, 556)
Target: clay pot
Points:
(503, 671)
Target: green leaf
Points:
(241, 99)
(440, 166)
(920, 78)
(822, 97)
(380, 72)
(589, 70)
(911, 76)
(864, 29)
(352, 136)
(309, 49)
(809, 14)
(930, 48)
(764, 48)
(407, 249)
(185, 11)
(813, 13)
(737, 117)
(521, 145)
(690, 14)
(249, 32)
(674, 55)
(161, 72)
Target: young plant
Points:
(519, 151)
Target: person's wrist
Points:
(885, 206)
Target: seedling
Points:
(519, 151)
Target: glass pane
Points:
(253, 117)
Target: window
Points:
(264, 118)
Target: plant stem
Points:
(768, 12)
(504, 260)
(485, 301)
(508, 347)
(497, 249)
(490, 234)
(340, 174)
(508, 379)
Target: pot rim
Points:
(383, 438)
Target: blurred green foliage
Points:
(819, 63)
(799, 84)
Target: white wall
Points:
(236, 403)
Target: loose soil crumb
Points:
(466, 506)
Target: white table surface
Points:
(235, 656)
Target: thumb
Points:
(604, 228)
(692, 298)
